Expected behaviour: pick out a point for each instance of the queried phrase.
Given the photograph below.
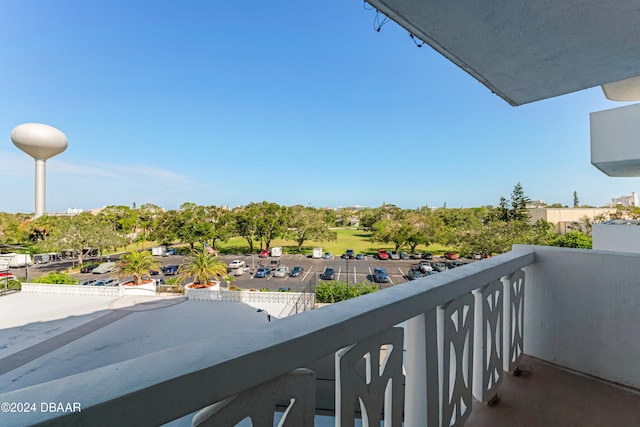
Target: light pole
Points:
(260, 310)
(347, 260)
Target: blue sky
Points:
(226, 103)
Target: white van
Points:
(277, 251)
(317, 253)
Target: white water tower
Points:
(41, 142)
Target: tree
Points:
(519, 204)
(222, 224)
(193, 224)
(576, 202)
(306, 223)
(245, 223)
(573, 239)
(147, 220)
(271, 222)
(202, 266)
(137, 264)
(83, 231)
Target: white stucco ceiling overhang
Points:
(529, 50)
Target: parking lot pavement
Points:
(351, 271)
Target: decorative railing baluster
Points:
(455, 351)
(258, 404)
(513, 320)
(377, 387)
(488, 355)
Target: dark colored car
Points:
(297, 271)
(170, 270)
(404, 255)
(170, 251)
(349, 254)
(427, 255)
(328, 274)
(454, 264)
(439, 267)
(262, 272)
(86, 268)
(380, 275)
(359, 256)
(415, 274)
(154, 272)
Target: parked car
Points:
(451, 255)
(416, 255)
(170, 270)
(349, 254)
(359, 256)
(170, 251)
(236, 263)
(454, 264)
(404, 255)
(380, 275)
(383, 254)
(425, 267)
(88, 267)
(328, 274)
(105, 267)
(281, 271)
(439, 267)
(326, 255)
(262, 272)
(107, 282)
(7, 276)
(264, 253)
(427, 255)
(296, 271)
(88, 282)
(394, 255)
(154, 272)
(240, 271)
(414, 274)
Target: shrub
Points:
(330, 292)
(56, 278)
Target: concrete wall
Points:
(616, 237)
(563, 217)
(582, 311)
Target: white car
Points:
(236, 264)
(425, 267)
(282, 271)
(240, 271)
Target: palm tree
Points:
(202, 266)
(137, 264)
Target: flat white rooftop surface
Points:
(45, 337)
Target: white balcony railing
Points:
(462, 331)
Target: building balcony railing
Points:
(417, 354)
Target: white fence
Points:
(90, 291)
(243, 296)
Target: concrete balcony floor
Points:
(546, 395)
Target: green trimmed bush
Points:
(330, 292)
(56, 278)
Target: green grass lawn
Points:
(348, 238)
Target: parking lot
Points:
(350, 271)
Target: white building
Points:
(631, 200)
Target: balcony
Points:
(537, 336)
